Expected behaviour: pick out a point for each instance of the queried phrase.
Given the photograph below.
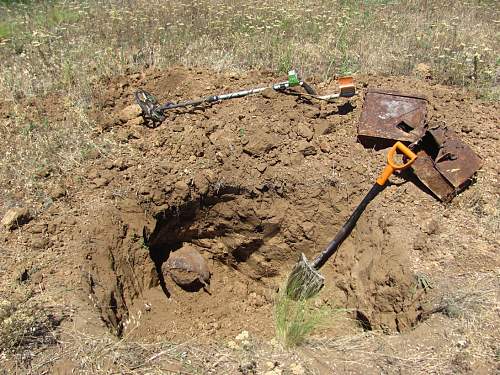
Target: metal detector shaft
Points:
(216, 98)
(239, 94)
(153, 111)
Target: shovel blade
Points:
(304, 281)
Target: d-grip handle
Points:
(392, 165)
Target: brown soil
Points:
(250, 183)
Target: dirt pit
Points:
(250, 242)
(250, 184)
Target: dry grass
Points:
(461, 335)
(36, 146)
(65, 45)
(100, 355)
(26, 326)
(81, 353)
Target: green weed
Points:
(28, 129)
(5, 30)
(56, 16)
(285, 62)
(295, 320)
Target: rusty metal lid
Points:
(445, 164)
(390, 116)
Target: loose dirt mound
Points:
(250, 183)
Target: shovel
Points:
(305, 281)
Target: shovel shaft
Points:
(392, 166)
(346, 229)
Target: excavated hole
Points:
(250, 242)
(218, 227)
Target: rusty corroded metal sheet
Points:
(423, 167)
(456, 161)
(445, 164)
(389, 116)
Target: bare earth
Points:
(251, 183)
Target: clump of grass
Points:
(24, 326)
(295, 320)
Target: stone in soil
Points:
(15, 218)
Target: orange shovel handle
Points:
(392, 165)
